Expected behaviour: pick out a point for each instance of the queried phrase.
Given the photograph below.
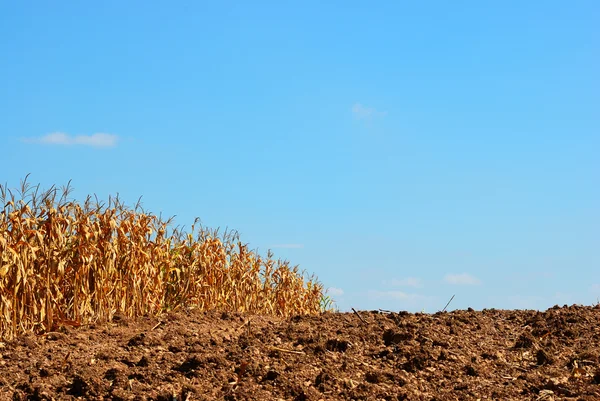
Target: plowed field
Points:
(378, 355)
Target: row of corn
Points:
(69, 263)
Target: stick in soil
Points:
(443, 310)
(359, 316)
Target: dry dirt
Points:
(191, 355)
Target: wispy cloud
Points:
(394, 295)
(393, 299)
(526, 302)
(99, 140)
(461, 279)
(288, 246)
(365, 113)
(335, 292)
(532, 275)
(405, 282)
(566, 298)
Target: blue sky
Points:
(401, 152)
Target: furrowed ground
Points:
(193, 355)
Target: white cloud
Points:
(395, 295)
(335, 292)
(389, 294)
(393, 299)
(462, 279)
(99, 140)
(532, 275)
(526, 302)
(363, 112)
(405, 282)
(288, 246)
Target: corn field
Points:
(69, 263)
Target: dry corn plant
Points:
(66, 263)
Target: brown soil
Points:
(191, 355)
